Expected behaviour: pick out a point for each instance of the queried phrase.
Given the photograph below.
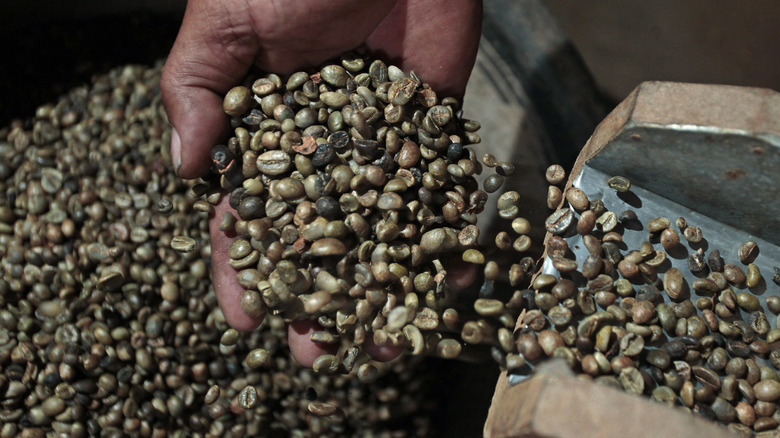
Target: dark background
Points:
(625, 42)
(59, 45)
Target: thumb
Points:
(212, 52)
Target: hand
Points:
(220, 40)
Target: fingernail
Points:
(175, 149)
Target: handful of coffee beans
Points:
(352, 184)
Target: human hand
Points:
(220, 40)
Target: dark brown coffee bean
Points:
(592, 266)
(734, 274)
(715, 261)
(586, 222)
(748, 252)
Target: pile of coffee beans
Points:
(698, 338)
(106, 330)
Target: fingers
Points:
(460, 274)
(194, 131)
(305, 351)
(224, 276)
(302, 348)
(213, 51)
(382, 353)
(438, 39)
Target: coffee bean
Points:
(706, 376)
(473, 256)
(493, 183)
(705, 286)
(592, 266)
(328, 207)
(628, 217)
(505, 168)
(643, 312)
(522, 244)
(773, 304)
(559, 222)
(734, 274)
(737, 348)
(628, 269)
(324, 154)
(183, 244)
(325, 364)
(715, 261)
(212, 394)
(674, 283)
(273, 213)
(564, 265)
(607, 221)
(554, 174)
(664, 395)
(554, 197)
(767, 390)
(237, 101)
(748, 302)
(619, 183)
(759, 323)
(559, 316)
(745, 413)
(659, 358)
(658, 224)
(388, 201)
(693, 234)
(273, 163)
(247, 398)
(252, 304)
(577, 198)
(586, 222)
(669, 239)
(748, 252)
(382, 185)
(543, 281)
(448, 348)
(753, 277)
(631, 380)
(321, 409)
(723, 410)
(675, 348)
